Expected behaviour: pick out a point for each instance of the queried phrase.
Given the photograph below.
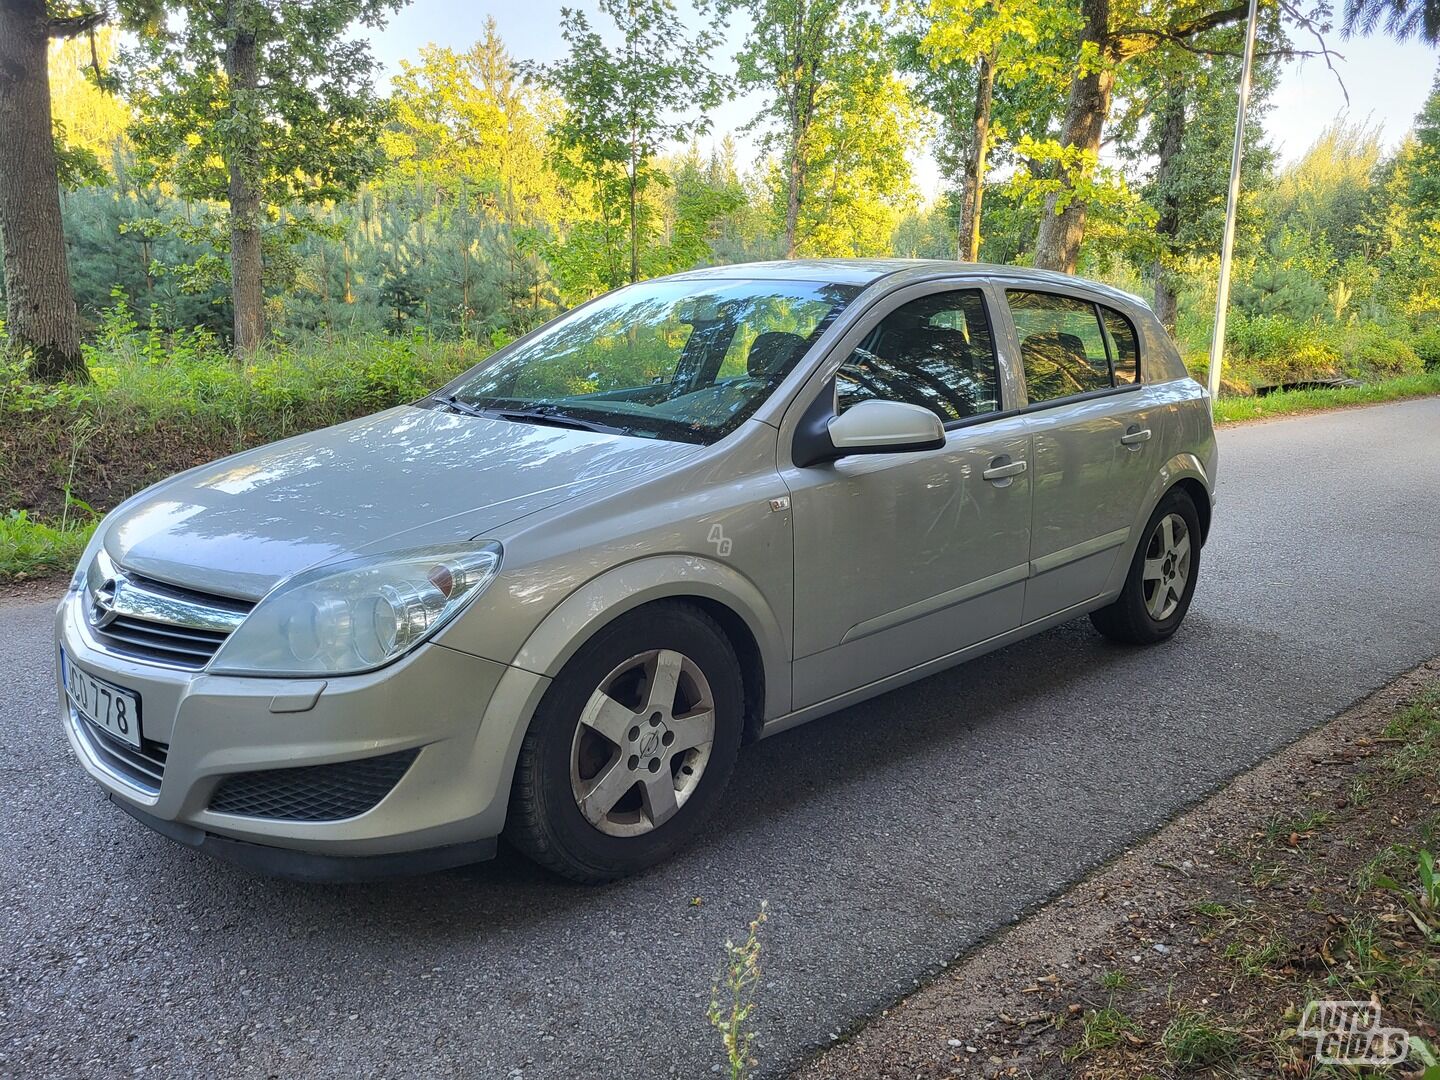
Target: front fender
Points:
(626, 587)
(576, 618)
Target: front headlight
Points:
(359, 614)
(87, 559)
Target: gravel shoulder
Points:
(1193, 950)
(32, 591)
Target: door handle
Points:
(1135, 435)
(1000, 472)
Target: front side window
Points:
(937, 352)
(681, 360)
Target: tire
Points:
(1141, 615)
(603, 721)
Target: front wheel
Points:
(631, 747)
(1162, 577)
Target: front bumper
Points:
(462, 716)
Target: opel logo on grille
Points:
(102, 604)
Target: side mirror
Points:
(885, 427)
(870, 427)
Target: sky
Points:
(1387, 82)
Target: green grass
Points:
(1115, 980)
(1384, 863)
(1103, 1028)
(1258, 958)
(1290, 402)
(31, 548)
(1375, 964)
(160, 403)
(1280, 828)
(189, 381)
(1191, 1040)
(1419, 727)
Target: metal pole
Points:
(1227, 249)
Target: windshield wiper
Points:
(450, 401)
(553, 419)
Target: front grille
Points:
(178, 646)
(312, 792)
(162, 623)
(144, 768)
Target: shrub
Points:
(1426, 344)
(1272, 349)
(1286, 292)
(1374, 352)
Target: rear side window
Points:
(937, 352)
(1070, 346)
(1061, 345)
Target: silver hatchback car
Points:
(552, 600)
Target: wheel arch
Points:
(1186, 472)
(730, 599)
(1201, 498)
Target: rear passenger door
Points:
(1094, 447)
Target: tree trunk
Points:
(1167, 226)
(975, 168)
(634, 232)
(247, 289)
(792, 197)
(40, 304)
(1058, 245)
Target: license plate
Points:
(104, 704)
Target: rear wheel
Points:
(1162, 577)
(631, 747)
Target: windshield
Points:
(680, 360)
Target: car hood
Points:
(402, 478)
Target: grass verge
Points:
(1290, 402)
(161, 404)
(31, 549)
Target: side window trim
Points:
(1077, 399)
(1105, 340)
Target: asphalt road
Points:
(886, 839)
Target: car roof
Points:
(869, 271)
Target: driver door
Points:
(904, 558)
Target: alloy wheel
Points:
(642, 743)
(1167, 566)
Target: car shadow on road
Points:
(832, 760)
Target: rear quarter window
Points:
(1124, 346)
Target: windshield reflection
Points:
(679, 360)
